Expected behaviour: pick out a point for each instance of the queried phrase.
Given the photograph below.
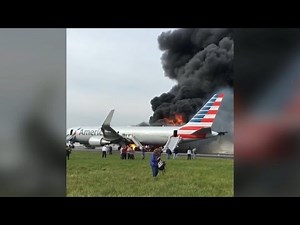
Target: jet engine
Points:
(98, 141)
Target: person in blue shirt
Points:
(154, 161)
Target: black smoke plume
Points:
(201, 62)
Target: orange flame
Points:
(132, 146)
(177, 120)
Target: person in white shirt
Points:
(189, 153)
(104, 150)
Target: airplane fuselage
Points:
(153, 135)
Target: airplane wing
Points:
(111, 135)
(108, 118)
(108, 132)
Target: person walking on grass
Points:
(189, 153)
(154, 161)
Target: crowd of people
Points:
(128, 152)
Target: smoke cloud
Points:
(201, 62)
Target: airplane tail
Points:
(204, 118)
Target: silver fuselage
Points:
(146, 135)
(152, 135)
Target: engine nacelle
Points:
(98, 141)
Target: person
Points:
(147, 148)
(123, 152)
(169, 153)
(129, 152)
(120, 150)
(132, 153)
(161, 149)
(194, 152)
(189, 153)
(109, 149)
(154, 161)
(143, 151)
(68, 151)
(104, 150)
(175, 152)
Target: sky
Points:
(113, 69)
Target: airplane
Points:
(199, 127)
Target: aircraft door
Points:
(175, 133)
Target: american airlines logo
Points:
(90, 132)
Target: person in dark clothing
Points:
(143, 150)
(169, 153)
(110, 150)
(154, 161)
(124, 151)
(68, 152)
(175, 152)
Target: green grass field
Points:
(90, 175)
